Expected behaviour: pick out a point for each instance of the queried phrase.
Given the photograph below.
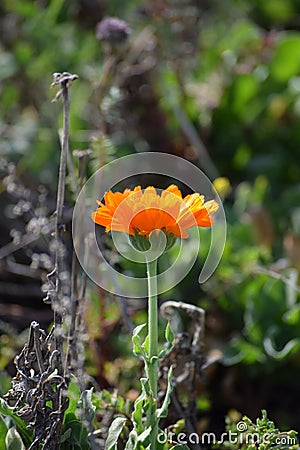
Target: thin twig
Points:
(12, 247)
(108, 69)
(70, 166)
(191, 134)
(188, 128)
(278, 276)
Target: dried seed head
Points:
(64, 80)
(113, 30)
(65, 77)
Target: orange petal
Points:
(173, 189)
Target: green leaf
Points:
(78, 434)
(85, 402)
(73, 395)
(66, 436)
(106, 396)
(138, 329)
(163, 411)
(169, 334)
(138, 349)
(286, 61)
(3, 431)
(144, 435)
(13, 440)
(138, 412)
(114, 432)
(5, 410)
(243, 94)
(132, 444)
(164, 351)
(278, 10)
(145, 387)
(146, 345)
(292, 316)
(80, 407)
(137, 346)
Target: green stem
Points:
(153, 346)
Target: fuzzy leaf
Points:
(144, 435)
(163, 411)
(85, 402)
(73, 396)
(138, 329)
(136, 341)
(169, 334)
(106, 396)
(5, 410)
(165, 350)
(138, 413)
(132, 443)
(66, 436)
(146, 345)
(114, 432)
(145, 386)
(13, 440)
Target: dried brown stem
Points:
(64, 80)
(82, 156)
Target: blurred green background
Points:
(217, 83)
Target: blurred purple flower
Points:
(112, 29)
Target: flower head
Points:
(139, 212)
(113, 30)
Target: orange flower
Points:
(140, 211)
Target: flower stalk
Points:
(153, 346)
(152, 324)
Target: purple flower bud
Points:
(113, 30)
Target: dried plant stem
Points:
(82, 156)
(62, 283)
(59, 259)
(63, 156)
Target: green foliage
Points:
(13, 430)
(79, 413)
(3, 432)
(260, 304)
(142, 419)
